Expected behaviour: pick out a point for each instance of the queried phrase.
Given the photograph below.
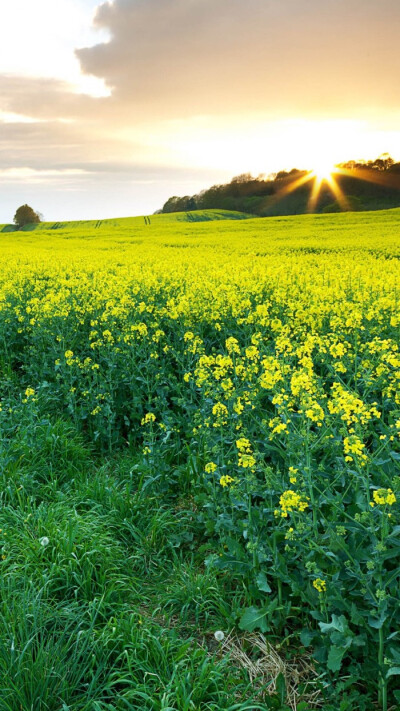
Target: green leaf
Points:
(306, 637)
(254, 617)
(393, 671)
(262, 583)
(377, 622)
(229, 562)
(338, 624)
(394, 651)
(355, 616)
(280, 686)
(335, 657)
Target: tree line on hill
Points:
(367, 185)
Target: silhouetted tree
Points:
(25, 215)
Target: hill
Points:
(366, 186)
(131, 222)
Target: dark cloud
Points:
(42, 98)
(182, 57)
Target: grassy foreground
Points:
(200, 433)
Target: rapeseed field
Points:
(200, 433)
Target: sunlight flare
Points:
(323, 170)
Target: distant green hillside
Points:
(128, 222)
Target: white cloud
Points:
(31, 176)
(38, 39)
(9, 117)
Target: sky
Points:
(109, 108)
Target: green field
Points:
(200, 433)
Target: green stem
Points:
(382, 694)
(310, 485)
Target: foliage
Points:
(369, 185)
(25, 215)
(200, 429)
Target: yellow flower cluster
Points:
(149, 418)
(319, 585)
(352, 445)
(384, 496)
(246, 458)
(220, 412)
(286, 338)
(291, 501)
(225, 480)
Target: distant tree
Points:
(25, 215)
(242, 178)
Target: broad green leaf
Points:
(254, 618)
(262, 583)
(335, 657)
(393, 671)
(338, 624)
(377, 622)
(306, 637)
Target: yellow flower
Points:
(148, 418)
(384, 496)
(220, 412)
(291, 501)
(225, 480)
(232, 345)
(319, 585)
(243, 445)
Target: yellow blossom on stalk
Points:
(243, 445)
(352, 445)
(272, 373)
(225, 480)
(29, 392)
(319, 585)
(148, 418)
(246, 461)
(315, 412)
(220, 412)
(338, 350)
(252, 353)
(384, 496)
(210, 467)
(238, 406)
(232, 345)
(292, 501)
(277, 426)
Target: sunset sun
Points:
(323, 170)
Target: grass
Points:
(102, 605)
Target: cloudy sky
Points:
(107, 109)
